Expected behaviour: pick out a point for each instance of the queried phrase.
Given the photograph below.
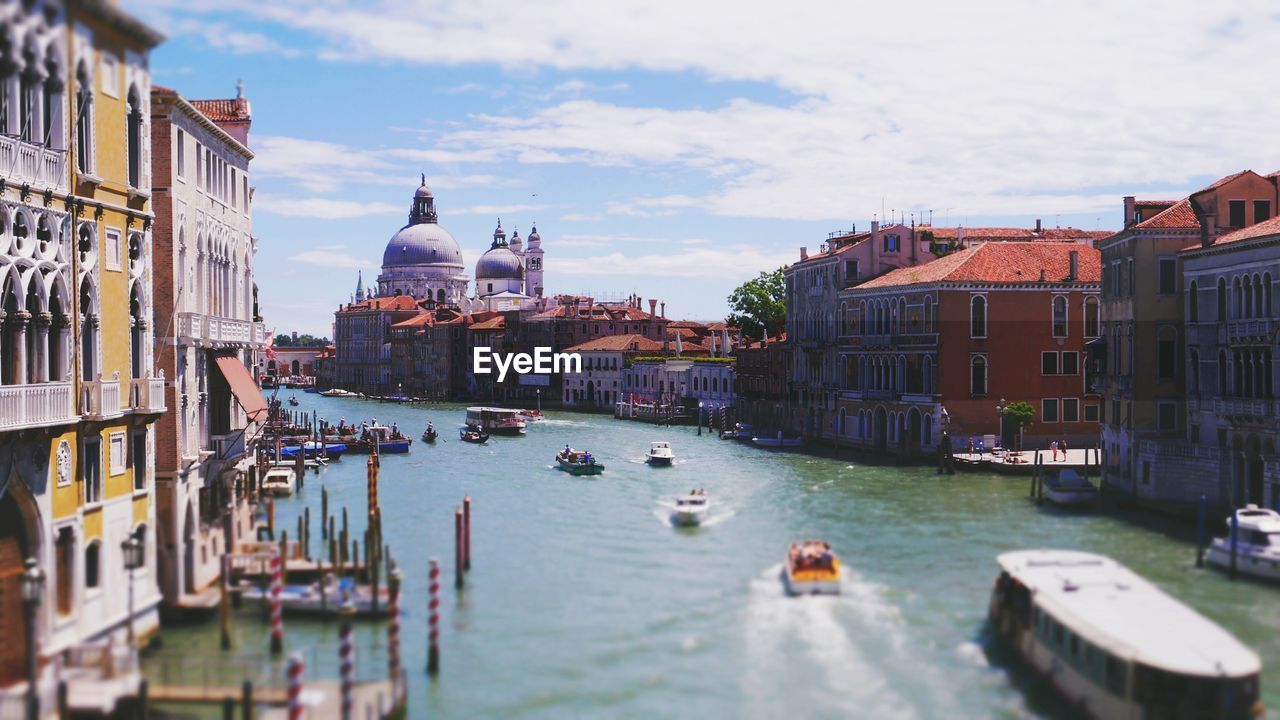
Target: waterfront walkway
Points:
(1073, 459)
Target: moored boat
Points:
(312, 448)
(1257, 544)
(660, 453)
(1068, 488)
(777, 442)
(335, 392)
(691, 509)
(389, 440)
(578, 462)
(497, 421)
(341, 599)
(1115, 645)
(279, 481)
(739, 431)
(811, 569)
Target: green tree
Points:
(758, 306)
(1020, 414)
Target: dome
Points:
(422, 244)
(499, 263)
(534, 238)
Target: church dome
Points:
(423, 241)
(499, 263)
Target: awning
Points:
(242, 386)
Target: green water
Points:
(584, 601)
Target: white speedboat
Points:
(691, 509)
(1257, 544)
(1069, 489)
(1115, 645)
(336, 392)
(739, 431)
(279, 481)
(811, 569)
(660, 453)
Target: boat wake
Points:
(718, 514)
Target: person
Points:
(1063, 445)
(567, 450)
(1053, 447)
(970, 445)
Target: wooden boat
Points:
(691, 509)
(336, 392)
(1257, 544)
(811, 569)
(777, 442)
(1115, 645)
(293, 400)
(387, 441)
(342, 599)
(578, 462)
(1069, 489)
(430, 435)
(473, 435)
(739, 431)
(660, 453)
(279, 481)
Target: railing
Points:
(203, 328)
(147, 394)
(1164, 448)
(36, 405)
(1243, 407)
(101, 398)
(1246, 330)
(23, 162)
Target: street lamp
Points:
(132, 561)
(1000, 408)
(32, 582)
(539, 393)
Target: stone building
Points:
(601, 381)
(362, 342)
(208, 332)
(422, 260)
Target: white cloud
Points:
(494, 209)
(713, 264)
(322, 208)
(579, 217)
(329, 258)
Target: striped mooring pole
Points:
(433, 618)
(295, 686)
(277, 609)
(393, 629)
(347, 667)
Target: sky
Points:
(676, 149)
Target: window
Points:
(1070, 410)
(1166, 364)
(1133, 278)
(181, 148)
(1235, 213)
(978, 375)
(1049, 363)
(1193, 302)
(1070, 362)
(64, 570)
(134, 129)
(233, 187)
(1049, 410)
(138, 456)
(1261, 210)
(91, 469)
(244, 196)
(1060, 316)
(113, 249)
(84, 120)
(110, 76)
(199, 164)
(1092, 320)
(92, 564)
(1168, 276)
(1193, 373)
(116, 452)
(1091, 413)
(1222, 299)
(978, 317)
(1168, 416)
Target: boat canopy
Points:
(1121, 612)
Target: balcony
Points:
(39, 405)
(100, 399)
(146, 395)
(27, 163)
(1246, 331)
(211, 331)
(1243, 408)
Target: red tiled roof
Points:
(618, 343)
(998, 262)
(1262, 229)
(1013, 234)
(1222, 181)
(1179, 215)
(426, 318)
(223, 110)
(393, 302)
(493, 323)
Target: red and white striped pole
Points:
(277, 609)
(295, 686)
(433, 618)
(347, 667)
(393, 629)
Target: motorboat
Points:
(473, 434)
(777, 442)
(1117, 646)
(1257, 544)
(691, 509)
(1068, 488)
(739, 431)
(660, 453)
(497, 421)
(578, 462)
(388, 441)
(313, 448)
(531, 416)
(337, 392)
(811, 569)
(314, 463)
(279, 481)
(343, 598)
(429, 435)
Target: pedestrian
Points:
(1053, 446)
(1062, 444)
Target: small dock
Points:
(1081, 460)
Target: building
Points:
(760, 382)
(208, 333)
(944, 345)
(422, 260)
(1143, 305)
(362, 342)
(601, 381)
(78, 392)
(500, 271)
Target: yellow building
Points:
(77, 392)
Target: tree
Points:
(758, 306)
(284, 340)
(1019, 414)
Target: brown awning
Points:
(242, 386)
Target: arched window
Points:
(1166, 353)
(928, 375)
(1223, 388)
(1239, 293)
(1257, 296)
(928, 314)
(1092, 324)
(978, 317)
(1193, 302)
(440, 295)
(134, 130)
(1248, 298)
(1193, 373)
(93, 564)
(978, 375)
(1060, 316)
(84, 119)
(1222, 299)
(1266, 295)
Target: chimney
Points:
(1037, 226)
(1075, 265)
(875, 251)
(664, 310)
(1129, 217)
(653, 306)
(804, 254)
(1041, 274)
(960, 237)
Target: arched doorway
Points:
(882, 429)
(296, 368)
(16, 545)
(913, 429)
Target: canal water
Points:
(584, 601)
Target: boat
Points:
(578, 462)
(739, 431)
(342, 599)
(1115, 645)
(691, 509)
(1068, 488)
(312, 449)
(777, 442)
(388, 441)
(310, 463)
(279, 481)
(660, 453)
(293, 400)
(497, 421)
(473, 434)
(811, 569)
(429, 435)
(530, 416)
(397, 398)
(337, 392)
(1257, 544)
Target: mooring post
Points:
(393, 629)
(458, 559)
(1200, 533)
(277, 609)
(271, 517)
(347, 667)
(224, 604)
(295, 686)
(466, 532)
(324, 513)
(1235, 537)
(433, 617)
(246, 700)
